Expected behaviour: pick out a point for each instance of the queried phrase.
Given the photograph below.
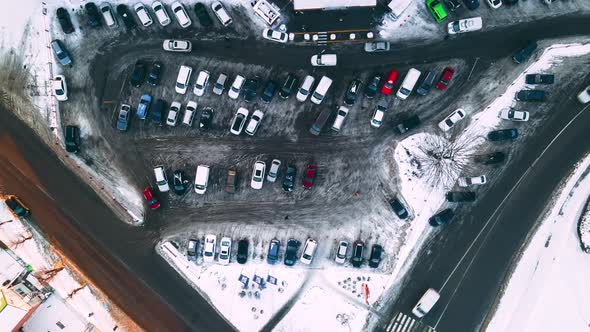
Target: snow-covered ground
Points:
(549, 289)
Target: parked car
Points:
(157, 111)
(305, 88)
(201, 83)
(219, 85)
(503, 134)
(525, 53)
(445, 78)
(452, 5)
(138, 74)
(108, 15)
(465, 25)
(60, 88)
(584, 95)
(273, 251)
(258, 175)
(308, 251)
(471, 4)
(173, 113)
(379, 114)
(72, 139)
(452, 119)
(441, 218)
(531, 95)
(61, 53)
(376, 253)
(94, 16)
(435, 7)
(425, 304)
(288, 87)
(221, 13)
(408, 124)
(161, 13)
(377, 46)
(142, 13)
(17, 206)
(65, 22)
(512, 115)
(341, 252)
(408, 84)
(340, 117)
(276, 36)
(357, 253)
(236, 87)
(273, 172)
(181, 183)
(125, 14)
(372, 88)
(269, 92)
(490, 158)
(206, 119)
(189, 113)
(181, 15)
(399, 209)
(161, 179)
(153, 202)
(460, 196)
(177, 45)
(144, 106)
(254, 122)
(472, 181)
(310, 174)
(387, 88)
(224, 250)
(289, 180)
(203, 15)
(291, 252)
(154, 74)
(124, 117)
(539, 78)
(231, 180)
(243, 245)
(250, 89)
(353, 91)
(202, 179)
(184, 76)
(191, 250)
(238, 121)
(324, 60)
(209, 248)
(424, 87)
(495, 4)
(321, 89)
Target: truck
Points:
(230, 185)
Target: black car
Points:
(426, 83)
(502, 134)
(291, 252)
(125, 14)
(452, 5)
(94, 16)
(72, 139)
(242, 251)
(154, 75)
(443, 217)
(460, 196)
(372, 88)
(407, 124)
(288, 87)
(269, 91)
(250, 88)
(539, 78)
(63, 16)
(530, 95)
(490, 158)
(158, 110)
(352, 92)
(471, 4)
(206, 119)
(376, 253)
(522, 55)
(138, 74)
(398, 208)
(18, 207)
(357, 253)
(203, 15)
(289, 180)
(181, 182)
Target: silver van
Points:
(320, 122)
(408, 84)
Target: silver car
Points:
(219, 85)
(377, 46)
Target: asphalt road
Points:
(472, 258)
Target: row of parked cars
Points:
(439, 12)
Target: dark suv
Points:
(288, 87)
(289, 180)
(443, 217)
(158, 110)
(94, 16)
(291, 252)
(181, 182)
(125, 14)
(242, 251)
(138, 74)
(269, 91)
(398, 208)
(376, 253)
(407, 124)
(522, 55)
(273, 251)
(154, 75)
(502, 134)
(460, 196)
(352, 92)
(530, 95)
(357, 253)
(203, 15)
(63, 16)
(18, 207)
(250, 88)
(372, 88)
(539, 78)
(72, 139)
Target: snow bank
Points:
(584, 228)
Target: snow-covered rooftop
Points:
(327, 4)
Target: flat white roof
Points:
(327, 4)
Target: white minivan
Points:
(321, 90)
(184, 75)
(408, 84)
(201, 179)
(426, 302)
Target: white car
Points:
(161, 13)
(340, 117)
(60, 88)
(308, 251)
(224, 250)
(341, 252)
(177, 45)
(254, 122)
(107, 14)
(144, 16)
(201, 83)
(512, 115)
(219, 85)
(475, 180)
(379, 114)
(451, 120)
(276, 36)
(465, 25)
(221, 13)
(273, 172)
(584, 95)
(183, 19)
(426, 302)
(238, 121)
(321, 60)
(495, 4)
(209, 248)
(173, 114)
(184, 75)
(161, 179)
(305, 88)
(236, 87)
(377, 46)
(258, 175)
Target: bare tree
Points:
(6, 222)
(44, 276)
(72, 293)
(22, 238)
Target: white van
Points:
(408, 84)
(340, 117)
(427, 301)
(189, 113)
(184, 75)
(321, 90)
(305, 88)
(201, 179)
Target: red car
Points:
(445, 78)
(149, 196)
(388, 86)
(309, 176)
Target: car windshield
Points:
(208, 254)
(180, 85)
(305, 92)
(456, 26)
(404, 91)
(389, 84)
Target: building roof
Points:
(9, 316)
(9, 267)
(328, 4)
(54, 313)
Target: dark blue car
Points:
(144, 106)
(273, 251)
